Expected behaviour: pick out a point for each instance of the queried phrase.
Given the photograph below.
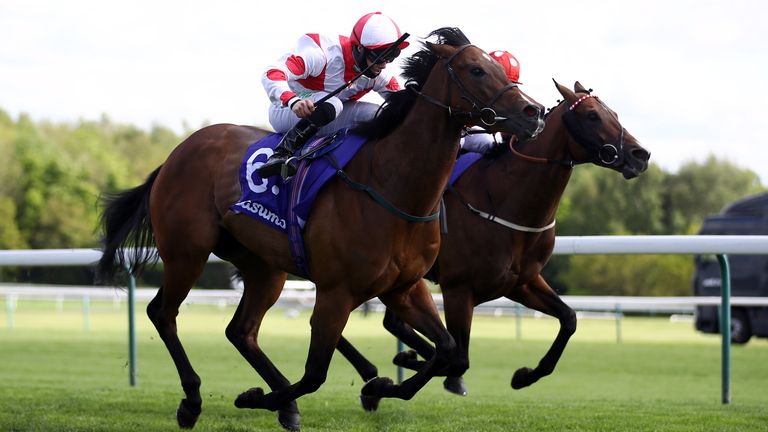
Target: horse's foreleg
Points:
(415, 307)
(162, 311)
(459, 307)
(540, 296)
(329, 317)
(262, 288)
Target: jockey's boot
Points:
(293, 140)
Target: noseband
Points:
(487, 115)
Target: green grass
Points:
(663, 377)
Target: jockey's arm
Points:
(305, 61)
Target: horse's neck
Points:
(530, 192)
(413, 162)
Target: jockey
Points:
(482, 142)
(319, 65)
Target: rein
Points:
(384, 202)
(569, 163)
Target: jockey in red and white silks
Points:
(317, 66)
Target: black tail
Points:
(126, 224)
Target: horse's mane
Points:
(416, 69)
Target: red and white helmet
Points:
(376, 30)
(509, 63)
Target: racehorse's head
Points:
(480, 93)
(602, 139)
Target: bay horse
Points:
(358, 248)
(500, 230)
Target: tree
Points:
(599, 201)
(701, 189)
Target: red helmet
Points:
(376, 30)
(509, 63)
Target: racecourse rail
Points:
(721, 246)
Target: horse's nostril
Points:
(641, 154)
(531, 111)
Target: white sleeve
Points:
(386, 83)
(305, 61)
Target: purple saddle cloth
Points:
(462, 164)
(285, 204)
(268, 199)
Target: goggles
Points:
(373, 55)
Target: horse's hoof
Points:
(251, 398)
(405, 358)
(523, 377)
(187, 414)
(370, 403)
(289, 418)
(455, 385)
(376, 387)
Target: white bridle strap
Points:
(579, 100)
(509, 224)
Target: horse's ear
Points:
(578, 88)
(442, 50)
(565, 91)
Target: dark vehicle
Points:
(749, 273)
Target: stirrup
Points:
(270, 169)
(289, 168)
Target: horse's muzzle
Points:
(635, 163)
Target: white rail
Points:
(300, 295)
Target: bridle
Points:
(609, 154)
(486, 115)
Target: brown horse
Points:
(501, 215)
(358, 248)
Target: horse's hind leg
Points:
(415, 307)
(262, 287)
(362, 365)
(409, 360)
(406, 359)
(540, 296)
(178, 277)
(329, 317)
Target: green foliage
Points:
(600, 202)
(631, 275)
(51, 182)
(701, 189)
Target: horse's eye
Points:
(476, 71)
(593, 116)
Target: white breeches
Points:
(348, 113)
(478, 143)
